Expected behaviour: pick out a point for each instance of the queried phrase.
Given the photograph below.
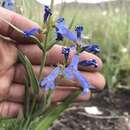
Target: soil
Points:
(115, 106)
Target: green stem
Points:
(43, 60)
(30, 115)
(42, 65)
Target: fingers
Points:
(9, 109)
(61, 94)
(55, 56)
(18, 21)
(16, 93)
(95, 79)
(8, 54)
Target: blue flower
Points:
(49, 81)
(47, 13)
(30, 32)
(8, 4)
(93, 48)
(79, 30)
(64, 31)
(61, 20)
(59, 35)
(91, 62)
(72, 71)
(83, 82)
(72, 67)
(66, 51)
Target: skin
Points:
(12, 73)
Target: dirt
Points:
(115, 106)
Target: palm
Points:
(7, 68)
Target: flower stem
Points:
(43, 60)
(42, 65)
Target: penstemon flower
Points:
(92, 48)
(49, 81)
(66, 51)
(8, 4)
(47, 13)
(79, 30)
(64, 31)
(91, 62)
(59, 35)
(72, 71)
(30, 32)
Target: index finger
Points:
(17, 20)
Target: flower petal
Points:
(48, 81)
(68, 72)
(93, 48)
(50, 85)
(8, 4)
(30, 32)
(84, 83)
(74, 62)
(91, 62)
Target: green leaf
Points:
(51, 44)
(26, 98)
(55, 113)
(32, 77)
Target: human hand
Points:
(12, 73)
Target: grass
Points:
(110, 28)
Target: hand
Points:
(12, 73)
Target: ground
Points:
(115, 106)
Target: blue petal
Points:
(71, 36)
(66, 52)
(79, 30)
(63, 30)
(54, 73)
(74, 62)
(67, 33)
(60, 22)
(44, 82)
(91, 48)
(51, 78)
(47, 13)
(8, 4)
(87, 63)
(50, 85)
(30, 32)
(68, 72)
(84, 83)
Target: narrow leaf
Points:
(55, 113)
(27, 98)
(32, 77)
